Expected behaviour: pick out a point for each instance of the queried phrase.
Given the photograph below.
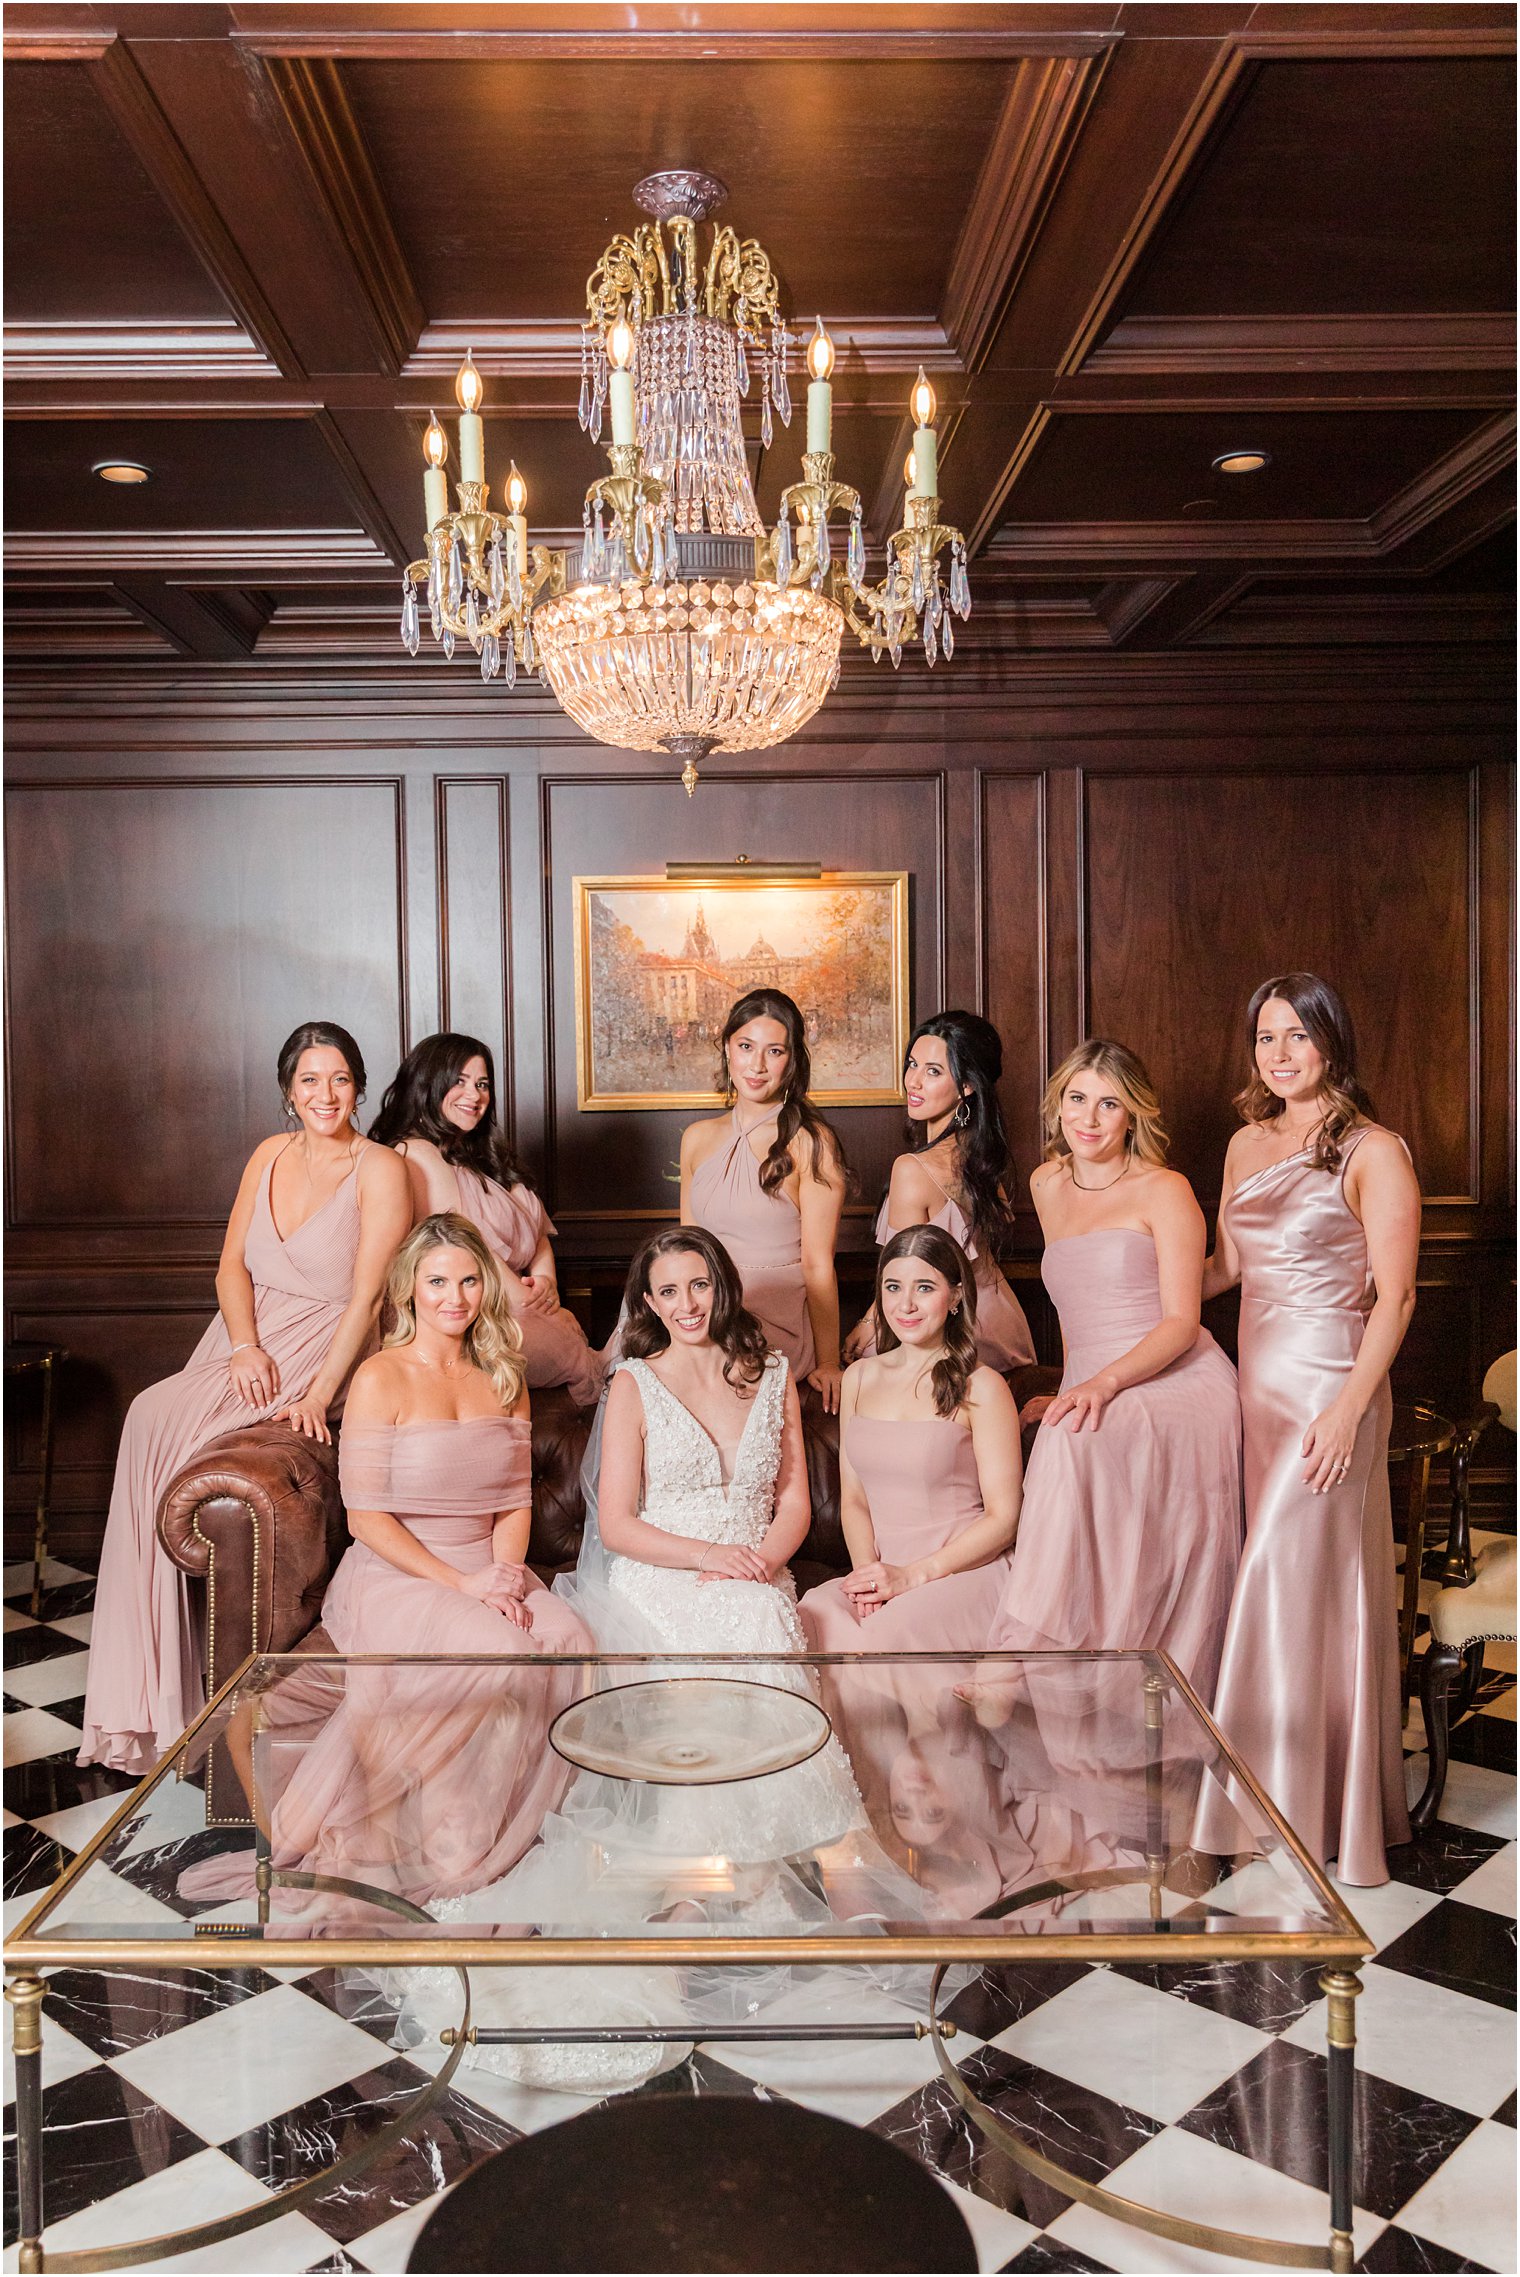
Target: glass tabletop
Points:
(485, 1810)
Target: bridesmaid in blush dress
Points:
(431, 1777)
(768, 1180)
(439, 1114)
(958, 1174)
(316, 1222)
(929, 1477)
(1320, 1224)
(1131, 1524)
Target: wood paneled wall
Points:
(189, 874)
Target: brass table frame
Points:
(227, 1946)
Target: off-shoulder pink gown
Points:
(145, 1679)
(1129, 1534)
(763, 1235)
(1309, 1684)
(431, 1778)
(1003, 1340)
(921, 1485)
(513, 1221)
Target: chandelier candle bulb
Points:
(469, 390)
(820, 397)
(620, 380)
(517, 499)
(925, 441)
(435, 483)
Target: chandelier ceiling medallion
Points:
(681, 623)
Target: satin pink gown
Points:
(763, 1235)
(145, 1681)
(1003, 1340)
(430, 1778)
(1129, 1534)
(1309, 1685)
(513, 1221)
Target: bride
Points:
(703, 1499)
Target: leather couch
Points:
(256, 1518)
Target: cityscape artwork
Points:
(658, 964)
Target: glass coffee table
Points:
(385, 1819)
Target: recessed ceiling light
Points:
(1242, 462)
(121, 470)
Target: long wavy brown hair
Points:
(953, 1371)
(734, 1329)
(797, 1110)
(1127, 1075)
(493, 1341)
(1323, 1016)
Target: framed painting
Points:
(658, 963)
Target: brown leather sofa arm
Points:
(258, 1516)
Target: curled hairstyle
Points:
(953, 1371)
(974, 1052)
(492, 1342)
(317, 1035)
(797, 1110)
(1327, 1024)
(413, 1108)
(735, 1331)
(1124, 1073)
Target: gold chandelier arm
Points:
(631, 268)
(756, 287)
(722, 274)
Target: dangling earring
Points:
(963, 1115)
(290, 1114)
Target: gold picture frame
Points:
(659, 961)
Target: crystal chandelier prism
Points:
(681, 624)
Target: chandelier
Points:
(681, 623)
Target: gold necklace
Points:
(1081, 1189)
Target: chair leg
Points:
(1458, 1567)
(1435, 1683)
(1472, 1677)
(1414, 1563)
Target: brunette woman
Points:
(1319, 1222)
(440, 1116)
(434, 1774)
(768, 1179)
(317, 1220)
(1131, 1522)
(958, 1173)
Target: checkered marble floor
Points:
(1200, 2090)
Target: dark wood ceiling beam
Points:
(1355, 343)
(176, 612)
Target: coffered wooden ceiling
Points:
(247, 244)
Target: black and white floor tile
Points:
(1200, 2090)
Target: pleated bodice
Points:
(468, 1469)
(511, 1219)
(763, 1235)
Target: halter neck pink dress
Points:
(512, 1221)
(921, 1484)
(145, 1679)
(1129, 1534)
(1309, 1684)
(763, 1235)
(432, 1777)
(1003, 1340)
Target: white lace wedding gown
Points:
(617, 1857)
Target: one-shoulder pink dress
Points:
(145, 1679)
(433, 1774)
(1129, 1534)
(1309, 1684)
(1003, 1340)
(763, 1235)
(513, 1221)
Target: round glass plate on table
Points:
(690, 1731)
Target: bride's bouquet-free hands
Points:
(731, 1561)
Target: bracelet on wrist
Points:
(253, 1347)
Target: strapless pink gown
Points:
(1003, 1340)
(763, 1235)
(513, 1221)
(430, 1778)
(145, 1681)
(1309, 1684)
(1129, 1534)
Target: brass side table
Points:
(42, 1360)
